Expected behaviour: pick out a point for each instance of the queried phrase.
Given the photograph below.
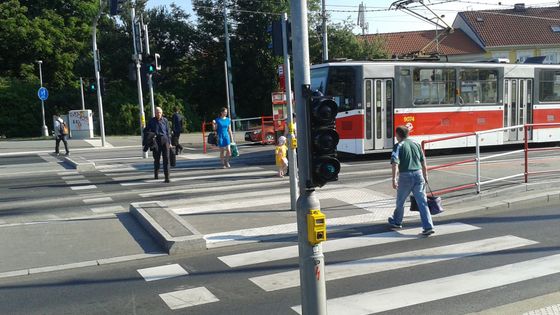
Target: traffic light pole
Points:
(292, 156)
(82, 93)
(136, 58)
(228, 57)
(96, 66)
(150, 81)
(311, 258)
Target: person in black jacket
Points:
(178, 120)
(160, 127)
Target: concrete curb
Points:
(168, 229)
(89, 263)
(80, 164)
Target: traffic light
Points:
(323, 140)
(116, 6)
(275, 30)
(152, 63)
(92, 87)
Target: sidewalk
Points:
(22, 146)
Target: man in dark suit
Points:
(160, 127)
(178, 120)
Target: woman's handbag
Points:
(434, 203)
(212, 138)
(234, 150)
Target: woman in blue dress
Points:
(222, 126)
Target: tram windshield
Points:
(338, 82)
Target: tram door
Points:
(518, 106)
(379, 113)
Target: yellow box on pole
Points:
(316, 227)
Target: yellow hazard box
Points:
(316, 227)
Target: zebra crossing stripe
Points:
(441, 288)
(370, 265)
(247, 186)
(187, 298)
(216, 176)
(256, 257)
(97, 200)
(83, 187)
(162, 272)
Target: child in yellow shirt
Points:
(281, 153)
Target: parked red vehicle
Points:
(256, 135)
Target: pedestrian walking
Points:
(178, 121)
(60, 134)
(160, 126)
(409, 163)
(281, 159)
(222, 126)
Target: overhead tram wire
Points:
(234, 10)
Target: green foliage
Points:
(192, 51)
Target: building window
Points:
(522, 55)
(500, 54)
(434, 86)
(549, 86)
(552, 55)
(479, 86)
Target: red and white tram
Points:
(437, 99)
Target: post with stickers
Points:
(311, 223)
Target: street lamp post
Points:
(45, 130)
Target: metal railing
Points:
(478, 159)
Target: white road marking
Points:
(77, 182)
(216, 176)
(287, 230)
(290, 279)
(83, 187)
(98, 200)
(73, 177)
(162, 272)
(186, 298)
(275, 254)
(68, 173)
(108, 209)
(247, 186)
(441, 288)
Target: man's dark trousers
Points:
(163, 150)
(57, 143)
(175, 142)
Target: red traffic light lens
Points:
(324, 110)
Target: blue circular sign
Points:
(43, 93)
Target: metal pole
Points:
(228, 55)
(82, 93)
(477, 136)
(96, 66)
(325, 38)
(228, 102)
(44, 127)
(311, 259)
(150, 79)
(292, 157)
(136, 58)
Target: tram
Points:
(438, 99)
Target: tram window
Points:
(549, 86)
(342, 86)
(434, 86)
(319, 79)
(479, 86)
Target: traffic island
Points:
(80, 164)
(169, 230)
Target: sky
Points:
(382, 20)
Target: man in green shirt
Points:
(409, 163)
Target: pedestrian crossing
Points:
(260, 269)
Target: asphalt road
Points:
(36, 188)
(120, 289)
